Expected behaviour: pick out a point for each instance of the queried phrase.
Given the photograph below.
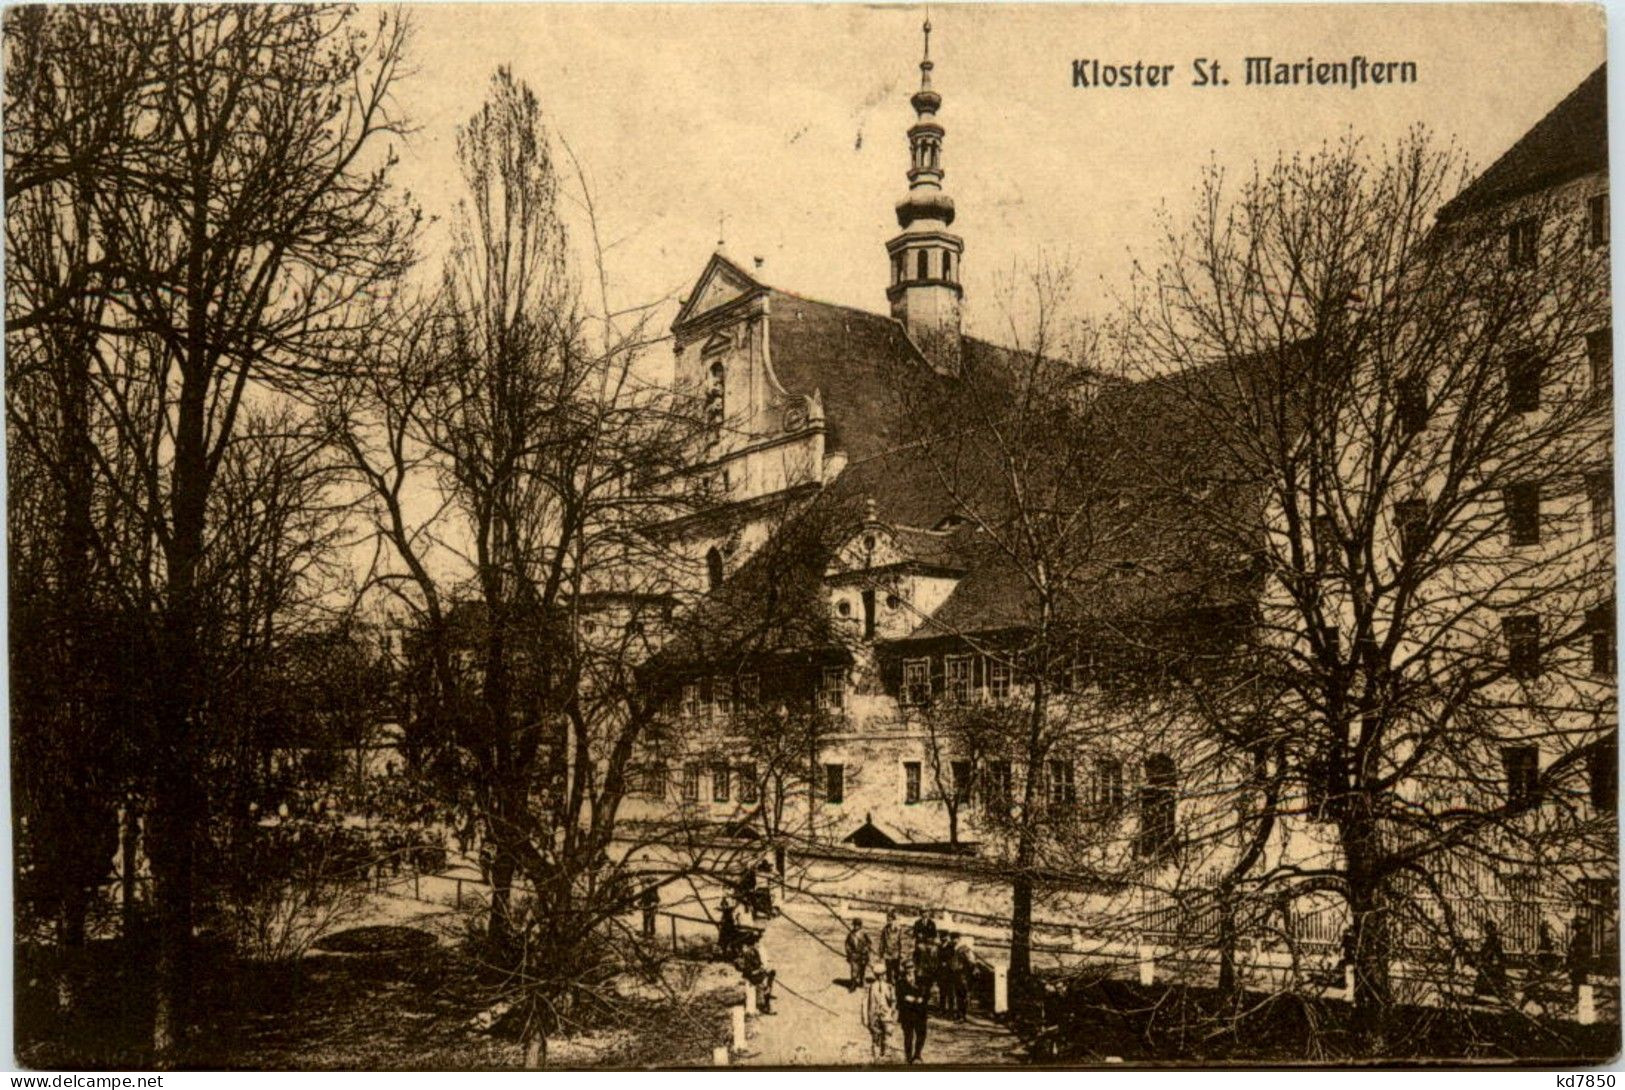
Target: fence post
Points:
(739, 1028)
(1001, 989)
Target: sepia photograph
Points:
(620, 536)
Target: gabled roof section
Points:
(721, 283)
(1569, 141)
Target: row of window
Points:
(1525, 376)
(923, 262)
(727, 781)
(1522, 766)
(1523, 236)
(1522, 634)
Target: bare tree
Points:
(1393, 417)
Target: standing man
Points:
(947, 974)
(925, 940)
(879, 1011)
(912, 1013)
(891, 946)
(649, 901)
(857, 955)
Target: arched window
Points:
(924, 267)
(716, 398)
(947, 266)
(1157, 805)
(713, 567)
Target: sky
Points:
(779, 129)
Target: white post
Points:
(750, 997)
(719, 1056)
(739, 1028)
(1348, 983)
(1148, 965)
(1585, 1005)
(1001, 989)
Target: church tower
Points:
(924, 290)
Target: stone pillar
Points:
(1001, 989)
(739, 1028)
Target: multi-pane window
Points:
(1600, 629)
(719, 782)
(835, 783)
(1062, 784)
(748, 792)
(1600, 496)
(1523, 513)
(1600, 358)
(960, 772)
(654, 780)
(1522, 634)
(1522, 764)
(1602, 770)
(959, 678)
(996, 782)
(1597, 220)
(1080, 675)
(1411, 519)
(1413, 403)
(750, 690)
(916, 688)
(1106, 788)
(832, 689)
(1523, 241)
(1524, 370)
(1157, 806)
(691, 782)
(690, 706)
(911, 782)
(722, 701)
(999, 676)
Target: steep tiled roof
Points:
(1569, 141)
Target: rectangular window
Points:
(1524, 372)
(1411, 519)
(1600, 494)
(1600, 628)
(748, 792)
(996, 782)
(722, 702)
(1106, 790)
(1522, 765)
(1523, 242)
(911, 782)
(1522, 634)
(750, 690)
(1597, 220)
(999, 675)
(869, 614)
(835, 784)
(959, 678)
(832, 689)
(1602, 769)
(654, 780)
(1413, 403)
(691, 782)
(1600, 358)
(1081, 674)
(1063, 787)
(916, 688)
(1523, 513)
(1323, 538)
(719, 782)
(690, 707)
(961, 773)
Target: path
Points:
(815, 1018)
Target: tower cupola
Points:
(924, 292)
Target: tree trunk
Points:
(1227, 946)
(499, 931)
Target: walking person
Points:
(964, 968)
(925, 966)
(1492, 963)
(912, 1013)
(649, 901)
(925, 935)
(879, 1011)
(891, 946)
(1579, 952)
(857, 955)
(945, 973)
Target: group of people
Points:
(899, 974)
